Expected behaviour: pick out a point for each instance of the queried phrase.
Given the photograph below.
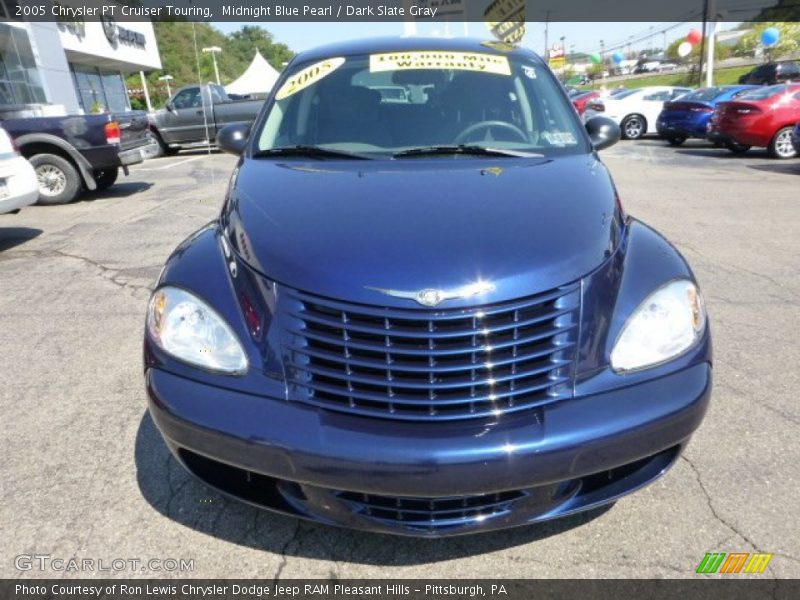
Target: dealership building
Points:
(77, 66)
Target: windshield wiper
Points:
(309, 150)
(465, 149)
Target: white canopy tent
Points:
(259, 78)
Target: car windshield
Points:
(624, 94)
(388, 103)
(763, 93)
(703, 94)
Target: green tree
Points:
(595, 71)
(721, 52)
(788, 43)
(250, 38)
(177, 41)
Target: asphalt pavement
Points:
(85, 474)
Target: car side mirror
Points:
(233, 138)
(170, 106)
(603, 132)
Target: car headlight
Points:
(187, 328)
(666, 324)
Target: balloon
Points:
(595, 58)
(770, 36)
(694, 36)
(618, 57)
(684, 49)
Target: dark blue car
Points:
(796, 138)
(425, 313)
(688, 116)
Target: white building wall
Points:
(96, 49)
(53, 67)
(89, 43)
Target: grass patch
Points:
(726, 76)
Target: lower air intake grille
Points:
(427, 513)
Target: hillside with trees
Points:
(176, 44)
(788, 44)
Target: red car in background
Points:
(579, 101)
(761, 117)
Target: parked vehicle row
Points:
(764, 117)
(195, 113)
(737, 117)
(688, 116)
(772, 73)
(635, 110)
(74, 153)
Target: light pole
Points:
(564, 50)
(602, 60)
(214, 50)
(166, 79)
(146, 93)
(546, 31)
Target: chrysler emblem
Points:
(110, 29)
(432, 297)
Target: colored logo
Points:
(734, 562)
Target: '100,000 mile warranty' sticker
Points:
(308, 76)
(463, 61)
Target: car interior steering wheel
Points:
(488, 125)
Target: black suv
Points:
(772, 73)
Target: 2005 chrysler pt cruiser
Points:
(422, 309)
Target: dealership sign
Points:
(506, 20)
(116, 34)
(557, 57)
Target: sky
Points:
(585, 37)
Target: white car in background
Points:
(18, 184)
(636, 110)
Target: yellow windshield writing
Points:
(308, 76)
(463, 61)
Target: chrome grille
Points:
(430, 513)
(432, 364)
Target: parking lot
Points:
(85, 473)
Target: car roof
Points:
(788, 88)
(409, 44)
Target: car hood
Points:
(354, 229)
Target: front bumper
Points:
(429, 479)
